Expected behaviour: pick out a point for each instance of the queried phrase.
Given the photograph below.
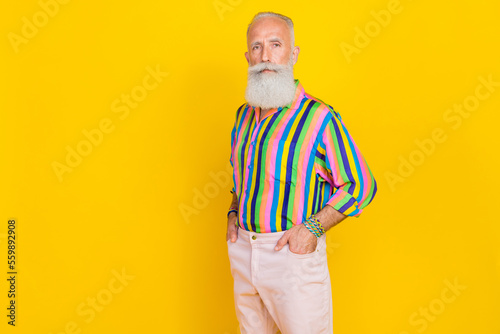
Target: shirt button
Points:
(254, 237)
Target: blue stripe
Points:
(315, 193)
(320, 155)
(327, 191)
(347, 205)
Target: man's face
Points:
(269, 40)
(270, 58)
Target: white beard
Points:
(270, 90)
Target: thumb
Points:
(282, 242)
(233, 235)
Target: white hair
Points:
(288, 21)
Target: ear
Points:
(247, 57)
(296, 51)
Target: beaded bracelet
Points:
(312, 229)
(314, 226)
(317, 223)
(232, 209)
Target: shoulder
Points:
(240, 109)
(326, 109)
(243, 106)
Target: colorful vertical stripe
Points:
(293, 162)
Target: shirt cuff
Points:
(344, 203)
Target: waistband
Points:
(262, 238)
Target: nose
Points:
(265, 54)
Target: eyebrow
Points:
(272, 40)
(276, 39)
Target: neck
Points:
(263, 112)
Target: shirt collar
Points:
(299, 94)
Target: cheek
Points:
(283, 59)
(254, 59)
(282, 56)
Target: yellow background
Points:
(134, 202)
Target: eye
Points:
(276, 44)
(255, 47)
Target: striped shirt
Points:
(293, 162)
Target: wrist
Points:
(314, 226)
(310, 229)
(232, 211)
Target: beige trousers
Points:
(280, 291)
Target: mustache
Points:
(258, 68)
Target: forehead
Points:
(268, 27)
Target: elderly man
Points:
(297, 173)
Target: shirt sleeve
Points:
(233, 139)
(341, 165)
